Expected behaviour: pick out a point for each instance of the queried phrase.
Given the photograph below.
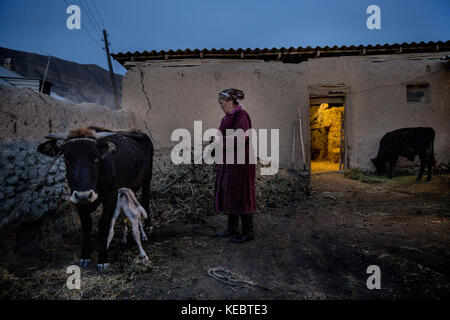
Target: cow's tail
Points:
(433, 159)
(146, 186)
(431, 148)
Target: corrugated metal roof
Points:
(6, 73)
(24, 83)
(8, 77)
(288, 55)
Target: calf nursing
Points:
(127, 202)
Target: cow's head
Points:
(83, 151)
(379, 165)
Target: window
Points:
(418, 93)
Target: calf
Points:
(127, 202)
(408, 143)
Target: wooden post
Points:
(293, 146)
(45, 74)
(341, 147)
(111, 73)
(304, 172)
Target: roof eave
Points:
(290, 55)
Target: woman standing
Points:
(235, 183)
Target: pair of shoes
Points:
(242, 238)
(226, 233)
(233, 226)
(247, 229)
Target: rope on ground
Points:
(222, 274)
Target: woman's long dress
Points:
(235, 183)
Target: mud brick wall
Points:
(375, 90)
(26, 117)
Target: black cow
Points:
(408, 143)
(97, 165)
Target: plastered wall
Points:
(165, 95)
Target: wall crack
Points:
(141, 73)
(141, 78)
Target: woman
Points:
(235, 183)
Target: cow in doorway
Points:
(98, 163)
(408, 143)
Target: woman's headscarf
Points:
(232, 94)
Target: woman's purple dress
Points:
(235, 183)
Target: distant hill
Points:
(72, 81)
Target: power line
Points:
(90, 35)
(117, 64)
(100, 19)
(95, 24)
(93, 38)
(88, 14)
(91, 12)
(98, 14)
(97, 43)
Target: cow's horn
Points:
(99, 135)
(57, 136)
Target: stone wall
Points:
(26, 117)
(21, 169)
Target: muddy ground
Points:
(317, 249)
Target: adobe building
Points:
(343, 98)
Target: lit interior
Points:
(325, 135)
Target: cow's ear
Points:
(49, 148)
(106, 147)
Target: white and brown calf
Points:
(126, 201)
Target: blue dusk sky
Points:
(132, 25)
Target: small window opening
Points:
(418, 93)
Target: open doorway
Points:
(327, 133)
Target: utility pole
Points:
(45, 74)
(111, 73)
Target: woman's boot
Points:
(247, 229)
(233, 226)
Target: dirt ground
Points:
(317, 249)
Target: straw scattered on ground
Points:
(192, 197)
